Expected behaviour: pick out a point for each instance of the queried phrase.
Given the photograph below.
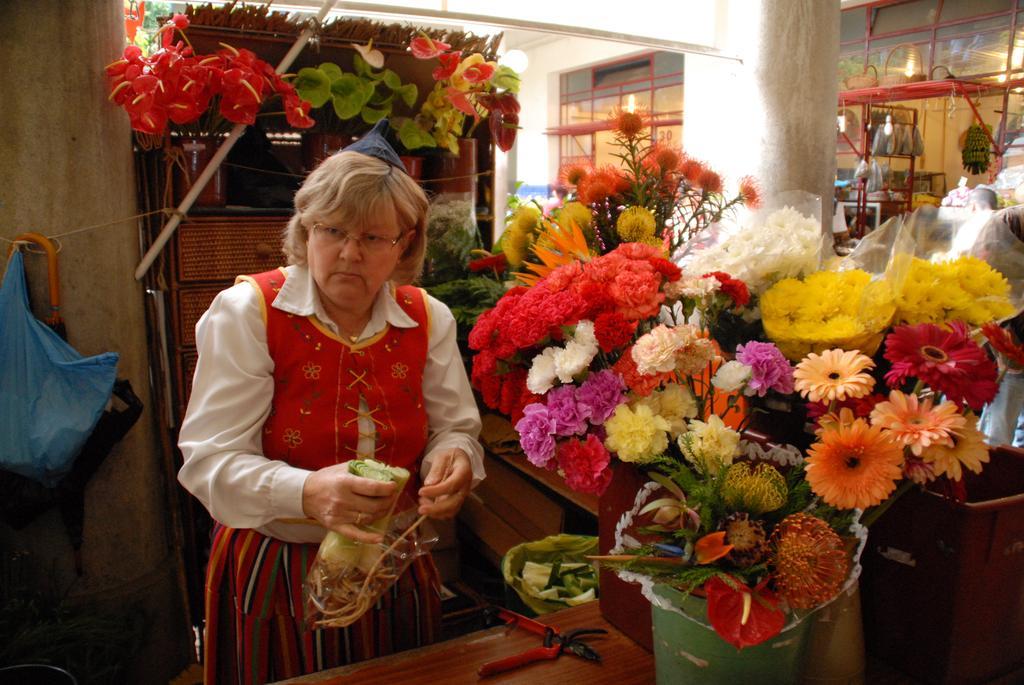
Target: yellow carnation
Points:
(710, 444)
(637, 434)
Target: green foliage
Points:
(468, 298)
(365, 93)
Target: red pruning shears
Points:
(554, 644)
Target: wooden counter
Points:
(455, 662)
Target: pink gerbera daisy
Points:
(947, 361)
(917, 423)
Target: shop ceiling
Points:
(532, 23)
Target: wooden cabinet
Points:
(207, 253)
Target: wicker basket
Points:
(898, 78)
(864, 80)
(949, 74)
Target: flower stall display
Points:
(656, 195)
(198, 94)
(611, 357)
(465, 86)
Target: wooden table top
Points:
(456, 661)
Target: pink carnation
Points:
(769, 368)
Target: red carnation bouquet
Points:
(198, 94)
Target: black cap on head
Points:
(375, 144)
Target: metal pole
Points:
(222, 152)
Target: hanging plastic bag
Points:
(347, 577)
(50, 396)
(918, 147)
(875, 177)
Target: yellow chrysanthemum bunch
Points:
(520, 232)
(827, 309)
(966, 288)
(636, 225)
(755, 490)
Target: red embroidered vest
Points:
(319, 377)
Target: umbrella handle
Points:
(54, 278)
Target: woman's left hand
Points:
(446, 485)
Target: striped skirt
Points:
(254, 613)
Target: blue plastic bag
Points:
(50, 396)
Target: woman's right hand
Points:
(341, 501)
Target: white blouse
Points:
(220, 437)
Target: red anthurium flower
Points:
(296, 111)
(449, 63)
(152, 121)
(497, 262)
(742, 616)
(460, 101)
(423, 47)
(239, 113)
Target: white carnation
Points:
(572, 360)
(731, 376)
(541, 377)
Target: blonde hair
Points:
(366, 192)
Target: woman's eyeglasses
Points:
(368, 243)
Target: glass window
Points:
(578, 113)
(605, 149)
(969, 27)
(666, 81)
(851, 63)
(961, 9)
(668, 100)
(603, 107)
(1014, 117)
(622, 73)
(563, 115)
(669, 135)
(904, 60)
(1017, 56)
(851, 24)
(668, 63)
(637, 101)
(907, 15)
(975, 54)
(577, 146)
(578, 80)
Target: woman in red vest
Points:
(301, 369)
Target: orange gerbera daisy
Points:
(967, 451)
(854, 465)
(834, 375)
(810, 561)
(916, 423)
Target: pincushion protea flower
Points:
(810, 561)
(748, 539)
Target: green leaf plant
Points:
(357, 99)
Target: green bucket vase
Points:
(688, 652)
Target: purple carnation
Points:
(562, 408)
(536, 430)
(598, 396)
(769, 368)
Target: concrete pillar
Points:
(66, 163)
(773, 116)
